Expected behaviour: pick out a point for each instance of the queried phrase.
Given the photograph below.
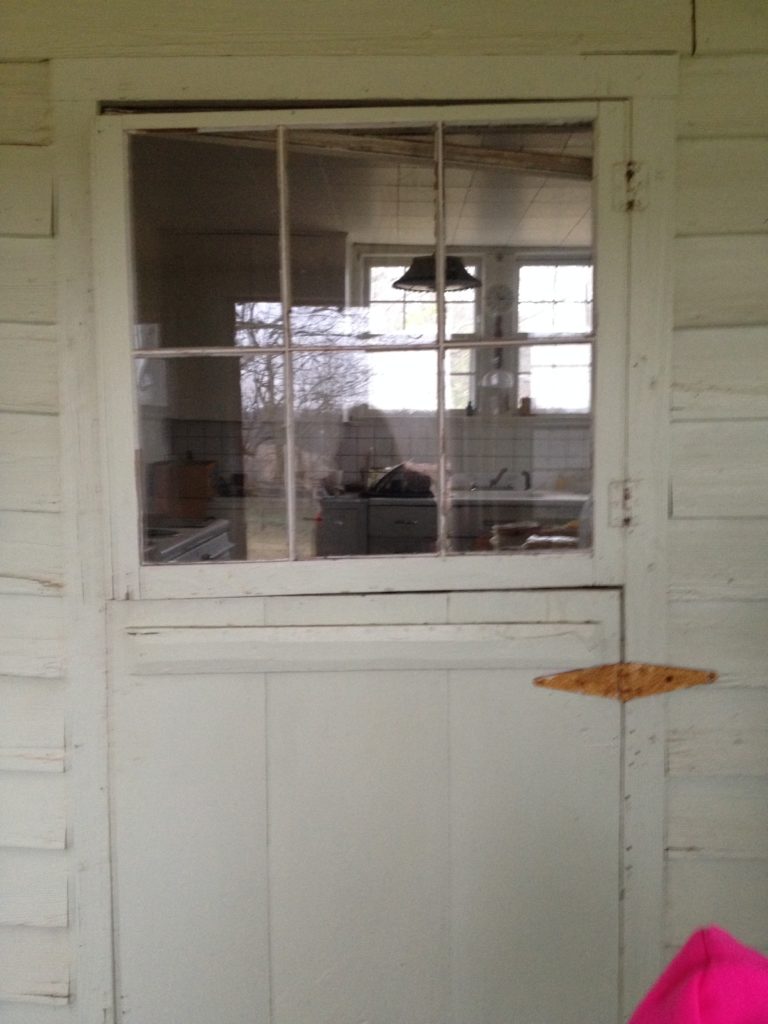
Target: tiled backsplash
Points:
(557, 453)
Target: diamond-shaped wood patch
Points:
(626, 680)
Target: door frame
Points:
(649, 84)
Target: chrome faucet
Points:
(526, 479)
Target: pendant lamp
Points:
(421, 276)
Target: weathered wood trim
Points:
(645, 613)
(430, 78)
(178, 651)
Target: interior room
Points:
(365, 469)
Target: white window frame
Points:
(600, 565)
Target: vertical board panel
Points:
(190, 838)
(535, 861)
(358, 846)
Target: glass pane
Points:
(205, 225)
(353, 188)
(517, 481)
(212, 459)
(367, 468)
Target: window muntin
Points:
(230, 269)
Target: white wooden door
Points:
(340, 810)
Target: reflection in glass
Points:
(516, 482)
(363, 387)
(367, 472)
(205, 228)
(212, 435)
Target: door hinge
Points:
(620, 503)
(630, 186)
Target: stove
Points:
(186, 540)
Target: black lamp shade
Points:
(421, 276)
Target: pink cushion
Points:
(712, 980)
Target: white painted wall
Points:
(717, 865)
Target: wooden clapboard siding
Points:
(734, 894)
(34, 966)
(355, 27)
(29, 368)
(727, 636)
(33, 811)
(29, 462)
(720, 372)
(717, 559)
(25, 114)
(31, 555)
(720, 469)
(33, 890)
(718, 732)
(738, 26)
(722, 186)
(27, 280)
(723, 97)
(717, 817)
(30, 636)
(26, 191)
(720, 279)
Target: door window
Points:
(333, 340)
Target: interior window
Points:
(340, 349)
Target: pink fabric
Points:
(712, 980)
